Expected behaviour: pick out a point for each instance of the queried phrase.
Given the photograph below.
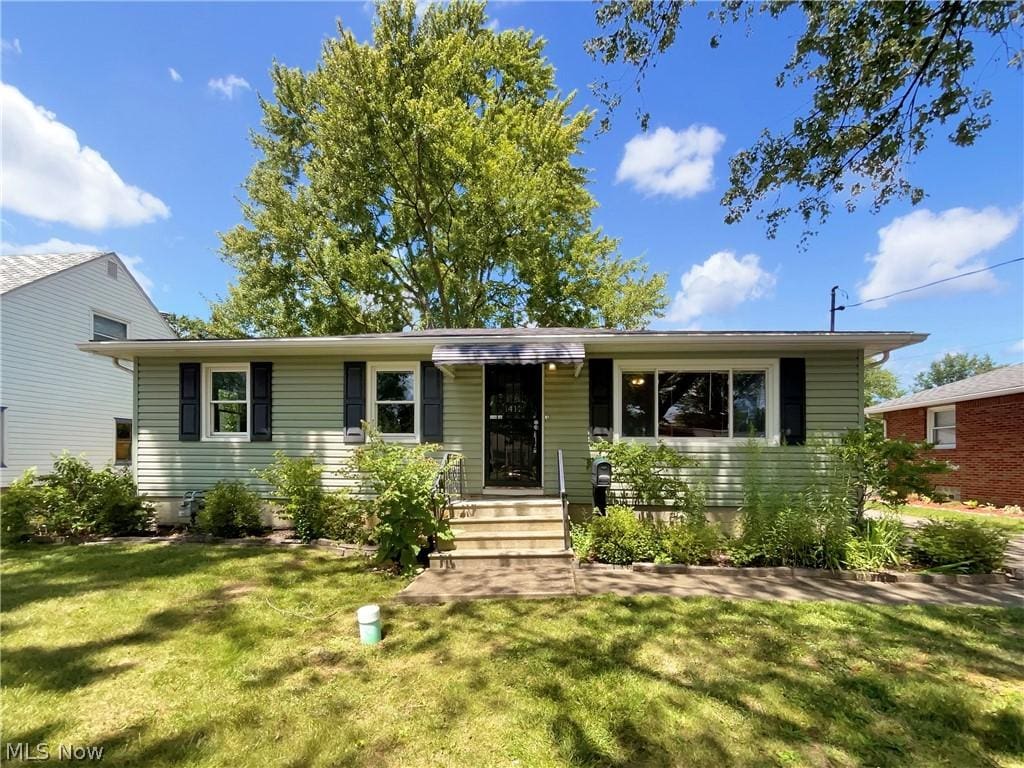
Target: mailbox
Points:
(601, 479)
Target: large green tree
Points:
(952, 367)
(880, 384)
(424, 179)
(883, 77)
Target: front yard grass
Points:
(212, 656)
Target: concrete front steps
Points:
(504, 533)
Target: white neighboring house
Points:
(54, 397)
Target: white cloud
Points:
(10, 46)
(48, 175)
(229, 85)
(923, 247)
(56, 245)
(174, 74)
(720, 284)
(667, 162)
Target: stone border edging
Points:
(889, 577)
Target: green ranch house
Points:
(521, 406)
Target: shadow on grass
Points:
(606, 681)
(874, 685)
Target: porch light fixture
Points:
(637, 381)
(552, 366)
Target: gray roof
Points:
(1002, 381)
(18, 270)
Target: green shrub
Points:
(298, 483)
(582, 539)
(20, 504)
(401, 476)
(689, 542)
(229, 510)
(646, 475)
(877, 544)
(78, 500)
(891, 469)
(965, 546)
(345, 518)
(808, 529)
(621, 538)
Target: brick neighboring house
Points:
(976, 424)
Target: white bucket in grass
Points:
(369, 624)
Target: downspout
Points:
(117, 364)
(875, 363)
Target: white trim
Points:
(408, 366)
(603, 343)
(771, 418)
(208, 370)
(930, 427)
(905, 406)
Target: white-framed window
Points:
(942, 426)
(696, 401)
(108, 329)
(226, 396)
(394, 400)
(122, 441)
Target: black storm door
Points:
(512, 404)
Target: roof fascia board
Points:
(871, 343)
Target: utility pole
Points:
(832, 310)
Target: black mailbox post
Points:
(601, 480)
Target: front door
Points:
(512, 431)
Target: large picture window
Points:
(226, 395)
(394, 400)
(707, 403)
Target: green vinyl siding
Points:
(307, 408)
(567, 426)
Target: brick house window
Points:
(942, 426)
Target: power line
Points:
(934, 282)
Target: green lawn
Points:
(190, 655)
(1010, 524)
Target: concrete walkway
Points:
(441, 586)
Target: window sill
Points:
(944, 447)
(240, 438)
(398, 438)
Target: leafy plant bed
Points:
(908, 577)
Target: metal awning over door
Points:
(447, 355)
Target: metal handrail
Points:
(564, 497)
(449, 482)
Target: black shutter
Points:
(189, 405)
(431, 403)
(355, 402)
(793, 400)
(601, 398)
(259, 410)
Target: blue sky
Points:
(167, 154)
